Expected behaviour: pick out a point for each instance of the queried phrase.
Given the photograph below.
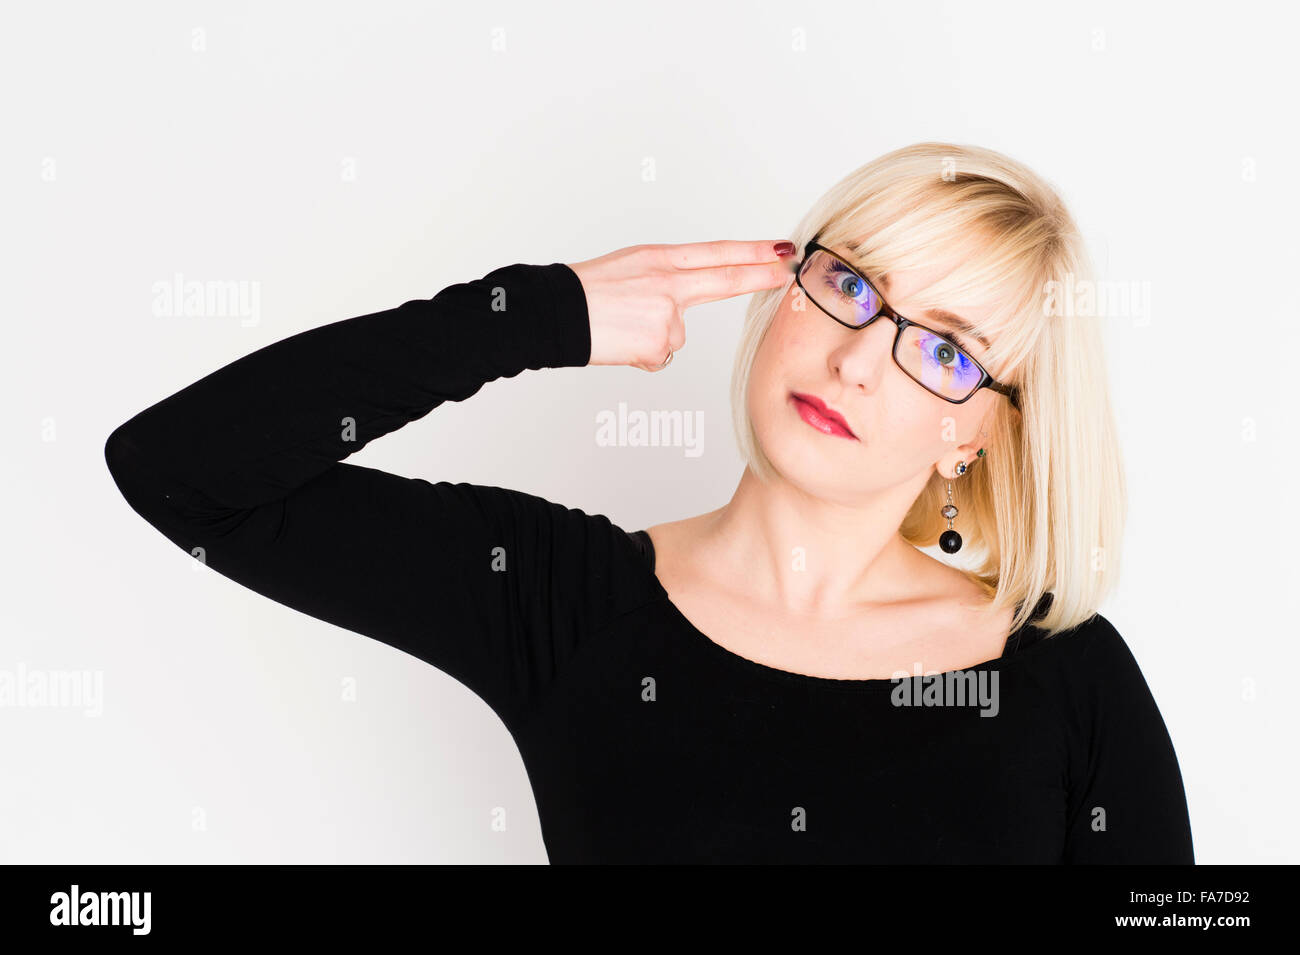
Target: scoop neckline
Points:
(767, 671)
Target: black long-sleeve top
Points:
(644, 740)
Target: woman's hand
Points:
(636, 296)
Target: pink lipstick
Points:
(825, 419)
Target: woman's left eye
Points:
(946, 353)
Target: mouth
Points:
(815, 412)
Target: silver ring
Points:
(667, 361)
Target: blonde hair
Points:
(1043, 510)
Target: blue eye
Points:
(946, 358)
(848, 286)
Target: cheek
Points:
(945, 430)
(787, 341)
(917, 427)
(773, 371)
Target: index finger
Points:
(704, 255)
(725, 269)
(695, 286)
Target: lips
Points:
(822, 417)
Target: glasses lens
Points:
(932, 361)
(938, 364)
(838, 289)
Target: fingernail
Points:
(784, 248)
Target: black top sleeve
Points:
(1127, 803)
(242, 469)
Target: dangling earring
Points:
(950, 540)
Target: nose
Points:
(865, 354)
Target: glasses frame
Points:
(1011, 392)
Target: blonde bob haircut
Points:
(1043, 510)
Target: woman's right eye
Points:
(850, 285)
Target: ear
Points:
(969, 452)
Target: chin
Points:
(799, 453)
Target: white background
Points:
(131, 155)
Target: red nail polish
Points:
(784, 248)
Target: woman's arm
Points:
(1127, 804)
(242, 470)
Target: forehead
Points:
(898, 289)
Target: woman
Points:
(787, 678)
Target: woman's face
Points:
(900, 430)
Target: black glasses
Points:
(928, 357)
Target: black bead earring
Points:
(950, 540)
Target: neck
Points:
(812, 557)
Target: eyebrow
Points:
(958, 323)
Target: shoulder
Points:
(1094, 647)
(644, 546)
(1088, 646)
(575, 554)
(1096, 674)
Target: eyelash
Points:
(838, 266)
(952, 337)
